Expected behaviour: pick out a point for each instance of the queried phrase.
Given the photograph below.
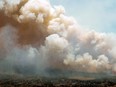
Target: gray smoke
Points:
(35, 36)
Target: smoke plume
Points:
(35, 36)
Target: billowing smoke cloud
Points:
(35, 36)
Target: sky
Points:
(99, 15)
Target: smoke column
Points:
(35, 36)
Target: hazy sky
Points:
(93, 14)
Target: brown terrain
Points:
(37, 81)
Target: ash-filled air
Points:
(35, 36)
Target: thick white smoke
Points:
(35, 36)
